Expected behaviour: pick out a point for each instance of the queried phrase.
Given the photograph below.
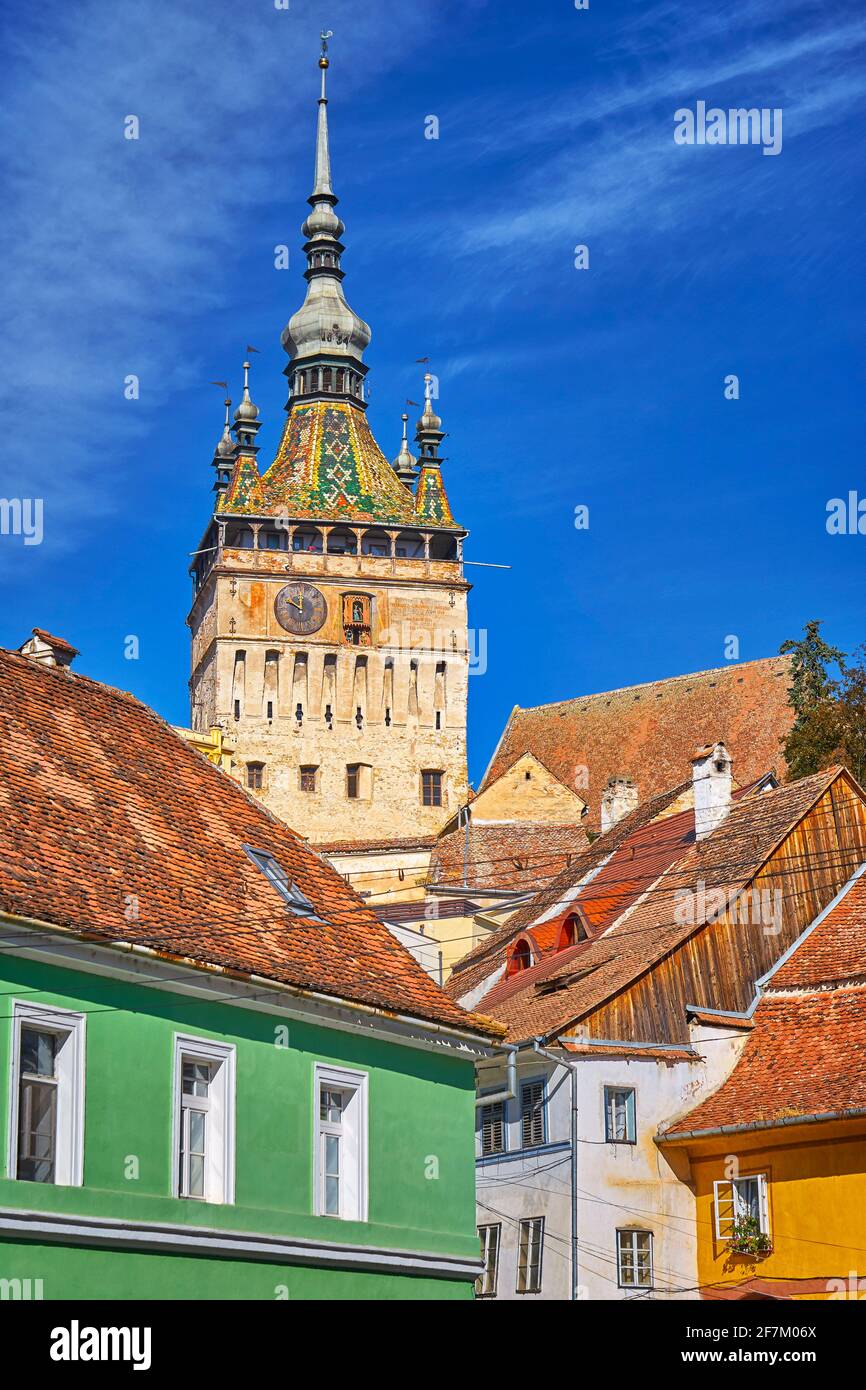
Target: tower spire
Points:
(322, 182)
(325, 340)
(404, 463)
(224, 454)
(429, 432)
(247, 423)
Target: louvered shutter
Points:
(492, 1129)
(532, 1114)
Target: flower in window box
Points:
(747, 1238)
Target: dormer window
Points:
(279, 879)
(573, 931)
(520, 958)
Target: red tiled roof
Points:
(407, 842)
(805, 1055)
(723, 863)
(649, 732)
(512, 855)
(103, 806)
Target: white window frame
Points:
(631, 1234)
(488, 1279)
(531, 1222)
(354, 1156)
(69, 1145)
(220, 1151)
(527, 1113)
(630, 1114)
(728, 1205)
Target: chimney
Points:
(618, 799)
(711, 779)
(46, 650)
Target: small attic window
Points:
(277, 876)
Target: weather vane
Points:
(324, 36)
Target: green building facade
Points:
(103, 1043)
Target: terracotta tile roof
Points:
(724, 862)
(804, 1057)
(107, 815)
(649, 732)
(469, 972)
(512, 855)
(834, 950)
(721, 1020)
(806, 1052)
(366, 846)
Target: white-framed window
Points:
(737, 1199)
(493, 1128)
(529, 1251)
(46, 1095)
(532, 1113)
(203, 1145)
(485, 1284)
(619, 1115)
(634, 1259)
(340, 1159)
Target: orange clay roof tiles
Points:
(805, 1054)
(111, 825)
(649, 732)
(512, 855)
(722, 863)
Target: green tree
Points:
(816, 738)
(852, 713)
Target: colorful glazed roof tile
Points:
(244, 493)
(649, 732)
(103, 805)
(431, 499)
(329, 467)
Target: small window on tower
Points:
(308, 778)
(255, 776)
(431, 788)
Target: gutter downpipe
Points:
(560, 1061)
(510, 1050)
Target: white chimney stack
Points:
(618, 799)
(712, 782)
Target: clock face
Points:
(300, 608)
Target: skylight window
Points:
(279, 879)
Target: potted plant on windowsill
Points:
(747, 1238)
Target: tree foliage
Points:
(829, 709)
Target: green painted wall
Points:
(421, 1108)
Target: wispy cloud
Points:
(115, 250)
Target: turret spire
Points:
(322, 183)
(404, 463)
(429, 432)
(247, 423)
(224, 454)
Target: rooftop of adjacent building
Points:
(116, 829)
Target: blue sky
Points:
(559, 387)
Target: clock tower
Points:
(329, 614)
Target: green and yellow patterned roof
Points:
(329, 468)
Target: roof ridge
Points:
(645, 685)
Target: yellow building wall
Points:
(528, 792)
(817, 1206)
